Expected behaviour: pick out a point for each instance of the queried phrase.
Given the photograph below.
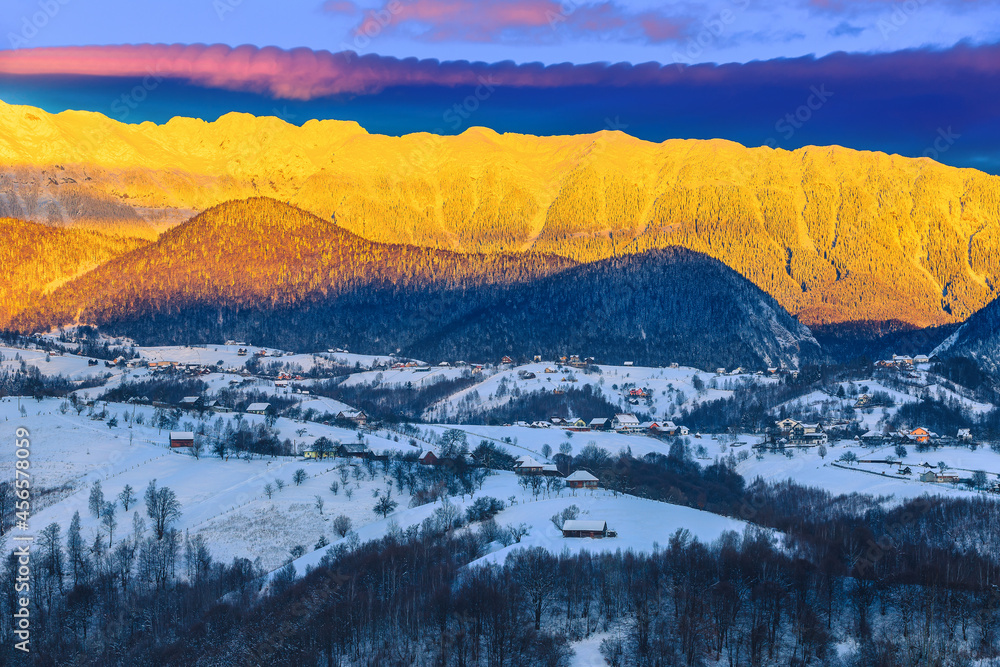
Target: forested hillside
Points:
(37, 258)
(978, 339)
(661, 306)
(265, 271)
(262, 253)
(835, 235)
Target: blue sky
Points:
(519, 30)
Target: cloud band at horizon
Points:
(942, 104)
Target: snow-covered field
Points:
(520, 440)
(68, 365)
(225, 500)
(807, 468)
(669, 390)
(641, 524)
(873, 418)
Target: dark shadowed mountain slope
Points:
(660, 306)
(978, 339)
(265, 271)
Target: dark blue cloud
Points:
(845, 28)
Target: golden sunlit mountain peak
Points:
(833, 233)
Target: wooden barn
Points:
(181, 439)
(580, 528)
(581, 479)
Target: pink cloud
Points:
(465, 20)
(659, 29)
(340, 7)
(518, 20)
(302, 74)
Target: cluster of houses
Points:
(800, 434)
(622, 422)
(905, 361)
(349, 450)
(201, 403)
(797, 434)
(526, 466)
(918, 435)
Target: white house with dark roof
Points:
(626, 422)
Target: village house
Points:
(786, 425)
(921, 359)
(870, 437)
(937, 478)
(669, 428)
(528, 466)
(317, 455)
(581, 479)
(600, 424)
(428, 458)
(190, 402)
(965, 434)
(258, 408)
(356, 450)
(919, 434)
(181, 439)
(807, 435)
(625, 422)
(580, 528)
(356, 416)
(506, 360)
